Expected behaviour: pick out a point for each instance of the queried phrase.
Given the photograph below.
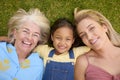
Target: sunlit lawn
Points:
(55, 9)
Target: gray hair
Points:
(36, 16)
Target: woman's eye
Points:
(82, 35)
(25, 31)
(92, 28)
(36, 35)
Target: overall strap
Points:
(71, 54)
(51, 53)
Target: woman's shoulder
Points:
(84, 57)
(5, 44)
(81, 63)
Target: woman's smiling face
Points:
(92, 33)
(27, 37)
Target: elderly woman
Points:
(26, 30)
(102, 62)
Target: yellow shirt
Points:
(44, 50)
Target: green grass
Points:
(55, 9)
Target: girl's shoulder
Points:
(43, 47)
(82, 48)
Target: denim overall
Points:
(59, 70)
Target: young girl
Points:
(59, 59)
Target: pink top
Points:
(96, 73)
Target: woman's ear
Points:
(105, 27)
(14, 33)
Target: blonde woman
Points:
(102, 62)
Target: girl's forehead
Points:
(64, 28)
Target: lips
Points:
(26, 43)
(61, 47)
(93, 41)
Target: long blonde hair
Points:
(98, 17)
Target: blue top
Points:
(11, 69)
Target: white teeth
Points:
(62, 47)
(26, 43)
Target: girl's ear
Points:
(51, 37)
(73, 40)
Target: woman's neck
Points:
(22, 55)
(107, 50)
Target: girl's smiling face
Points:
(62, 39)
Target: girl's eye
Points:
(57, 37)
(68, 39)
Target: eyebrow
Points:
(25, 28)
(87, 27)
(29, 30)
(37, 33)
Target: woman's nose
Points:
(89, 36)
(30, 36)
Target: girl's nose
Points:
(62, 42)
